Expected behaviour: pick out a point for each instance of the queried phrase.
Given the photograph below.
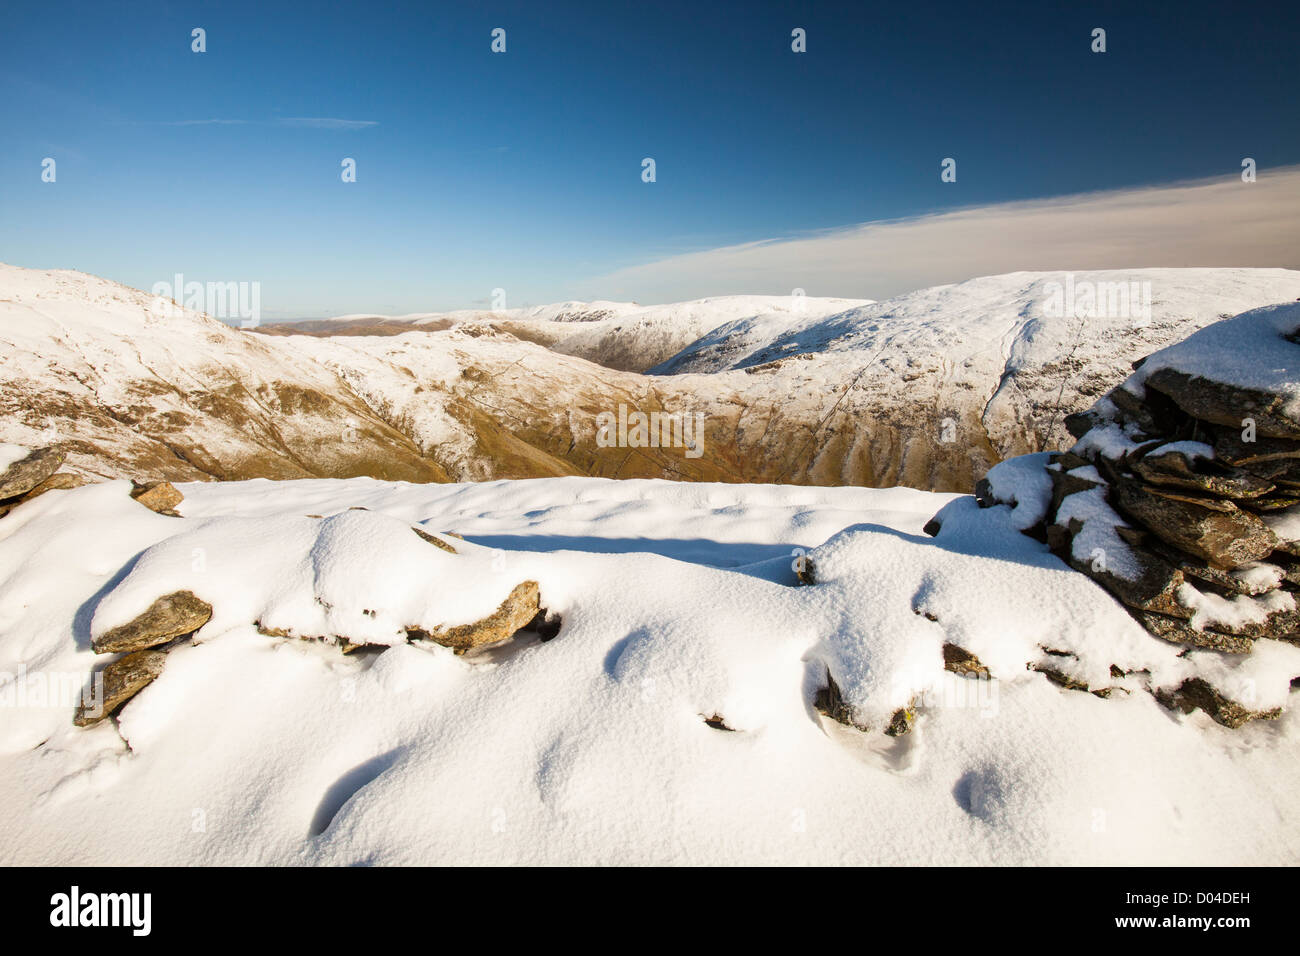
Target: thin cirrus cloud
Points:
(326, 122)
(303, 122)
(1210, 222)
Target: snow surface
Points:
(678, 605)
(1097, 539)
(1009, 317)
(1110, 440)
(1238, 611)
(96, 365)
(358, 575)
(1285, 524)
(982, 353)
(1024, 483)
(1189, 449)
(1247, 351)
(10, 453)
(1259, 576)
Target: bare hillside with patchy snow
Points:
(130, 388)
(928, 389)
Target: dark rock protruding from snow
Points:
(169, 617)
(1196, 692)
(122, 680)
(31, 475)
(1210, 528)
(159, 496)
(520, 608)
(1226, 404)
(25, 474)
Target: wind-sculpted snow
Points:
(357, 575)
(1245, 353)
(679, 607)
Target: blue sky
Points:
(523, 170)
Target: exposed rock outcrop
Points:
(520, 607)
(958, 660)
(829, 702)
(32, 476)
(1197, 693)
(1181, 496)
(24, 475)
(121, 680)
(159, 496)
(167, 618)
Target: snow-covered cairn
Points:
(1181, 495)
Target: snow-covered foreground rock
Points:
(672, 718)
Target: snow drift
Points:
(670, 721)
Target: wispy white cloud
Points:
(304, 122)
(202, 122)
(1212, 222)
(326, 122)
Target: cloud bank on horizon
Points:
(1207, 222)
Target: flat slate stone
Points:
(122, 680)
(1155, 414)
(59, 481)
(1196, 693)
(518, 609)
(159, 496)
(1196, 568)
(1215, 531)
(1173, 469)
(1065, 484)
(1232, 450)
(1177, 631)
(1155, 588)
(436, 542)
(26, 473)
(1225, 404)
(169, 617)
(1271, 503)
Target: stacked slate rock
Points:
(1181, 495)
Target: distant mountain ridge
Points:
(619, 335)
(927, 389)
